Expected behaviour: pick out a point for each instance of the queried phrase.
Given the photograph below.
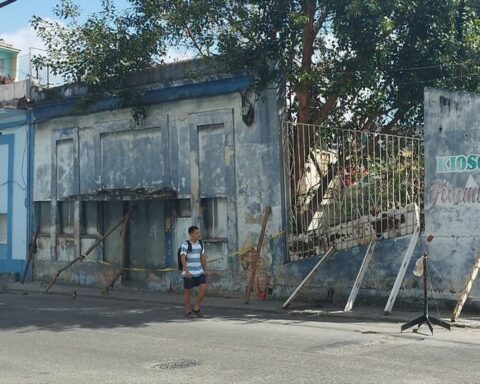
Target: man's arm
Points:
(183, 258)
(203, 260)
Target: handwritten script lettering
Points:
(442, 192)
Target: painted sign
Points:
(442, 192)
(458, 163)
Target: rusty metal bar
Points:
(353, 186)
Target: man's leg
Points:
(187, 294)
(202, 291)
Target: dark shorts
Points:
(194, 281)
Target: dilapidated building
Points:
(213, 153)
(208, 153)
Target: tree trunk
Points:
(303, 133)
(303, 92)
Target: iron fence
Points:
(42, 77)
(345, 187)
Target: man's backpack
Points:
(189, 249)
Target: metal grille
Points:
(41, 77)
(345, 187)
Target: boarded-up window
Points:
(88, 219)
(3, 228)
(182, 208)
(65, 168)
(43, 217)
(211, 147)
(215, 217)
(66, 214)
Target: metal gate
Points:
(346, 187)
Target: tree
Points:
(351, 63)
(355, 63)
(101, 53)
(358, 64)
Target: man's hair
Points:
(192, 229)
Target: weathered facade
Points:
(452, 178)
(198, 158)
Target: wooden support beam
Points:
(257, 251)
(401, 272)
(310, 274)
(81, 257)
(466, 289)
(31, 251)
(123, 238)
(404, 265)
(361, 275)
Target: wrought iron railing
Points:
(42, 77)
(344, 187)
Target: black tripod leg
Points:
(427, 320)
(440, 323)
(418, 321)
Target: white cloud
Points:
(175, 54)
(26, 38)
(23, 39)
(27, 41)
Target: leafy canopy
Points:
(359, 64)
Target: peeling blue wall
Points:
(14, 154)
(452, 178)
(194, 142)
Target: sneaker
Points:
(188, 314)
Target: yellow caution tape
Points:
(279, 234)
(137, 269)
(240, 252)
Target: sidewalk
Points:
(332, 312)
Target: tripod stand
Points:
(425, 318)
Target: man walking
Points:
(194, 271)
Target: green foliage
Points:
(101, 53)
(375, 56)
(369, 60)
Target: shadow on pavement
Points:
(59, 312)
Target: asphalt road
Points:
(56, 339)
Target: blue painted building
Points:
(8, 62)
(14, 159)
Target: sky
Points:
(15, 27)
(15, 19)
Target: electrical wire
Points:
(15, 182)
(450, 287)
(433, 294)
